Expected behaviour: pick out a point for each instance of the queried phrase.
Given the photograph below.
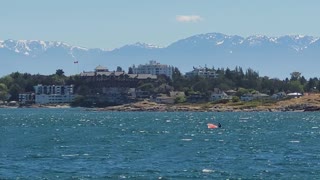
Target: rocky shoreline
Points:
(150, 106)
(147, 106)
(308, 103)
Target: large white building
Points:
(153, 68)
(202, 72)
(53, 94)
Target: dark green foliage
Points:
(59, 72)
(146, 87)
(3, 92)
(130, 71)
(119, 69)
(14, 91)
(236, 79)
(235, 99)
(180, 99)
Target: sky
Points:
(110, 24)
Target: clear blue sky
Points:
(110, 24)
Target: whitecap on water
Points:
(314, 127)
(69, 155)
(294, 141)
(207, 170)
(186, 139)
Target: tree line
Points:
(242, 81)
(249, 79)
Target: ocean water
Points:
(80, 144)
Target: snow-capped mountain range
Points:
(271, 56)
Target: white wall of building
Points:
(153, 68)
(202, 72)
(53, 94)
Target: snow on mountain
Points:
(210, 39)
(146, 46)
(259, 39)
(35, 47)
(1, 44)
(139, 45)
(79, 48)
(297, 42)
(258, 51)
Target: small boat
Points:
(213, 126)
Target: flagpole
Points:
(77, 62)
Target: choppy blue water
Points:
(78, 144)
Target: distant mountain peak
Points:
(216, 49)
(35, 47)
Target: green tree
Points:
(7, 80)
(83, 90)
(295, 86)
(59, 72)
(14, 91)
(295, 76)
(146, 87)
(119, 69)
(242, 91)
(178, 81)
(229, 74)
(311, 84)
(180, 99)
(201, 86)
(303, 80)
(235, 99)
(3, 92)
(130, 70)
